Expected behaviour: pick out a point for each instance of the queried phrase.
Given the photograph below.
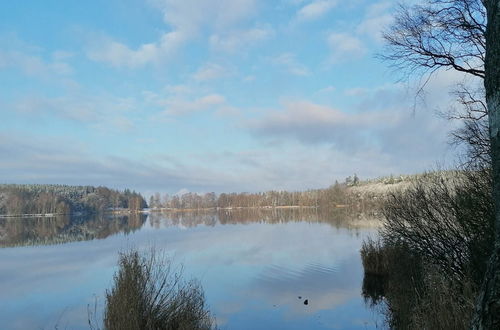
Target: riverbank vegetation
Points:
(149, 293)
(429, 261)
(434, 263)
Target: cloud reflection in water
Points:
(252, 272)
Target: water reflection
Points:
(18, 231)
(374, 289)
(253, 266)
(336, 217)
(324, 286)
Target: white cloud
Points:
(191, 16)
(354, 43)
(34, 65)
(373, 26)
(96, 111)
(211, 71)
(179, 106)
(119, 55)
(315, 9)
(289, 62)
(249, 78)
(186, 19)
(60, 55)
(235, 40)
(35, 159)
(326, 90)
(293, 2)
(314, 123)
(178, 89)
(292, 166)
(377, 18)
(356, 91)
(381, 123)
(344, 47)
(179, 100)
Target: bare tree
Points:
(447, 34)
(438, 34)
(447, 218)
(473, 132)
(463, 35)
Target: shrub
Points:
(447, 218)
(432, 252)
(148, 294)
(444, 305)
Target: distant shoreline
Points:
(45, 215)
(49, 215)
(166, 210)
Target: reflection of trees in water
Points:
(337, 217)
(63, 229)
(374, 288)
(184, 218)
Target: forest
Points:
(311, 198)
(39, 199)
(16, 199)
(336, 195)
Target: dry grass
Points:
(374, 256)
(444, 306)
(149, 294)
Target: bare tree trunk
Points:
(487, 314)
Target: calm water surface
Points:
(252, 265)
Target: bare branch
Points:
(439, 34)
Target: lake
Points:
(253, 265)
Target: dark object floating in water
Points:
(306, 302)
(300, 297)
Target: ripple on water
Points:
(302, 276)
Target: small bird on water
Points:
(306, 302)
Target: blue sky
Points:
(203, 95)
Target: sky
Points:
(205, 95)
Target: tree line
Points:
(18, 199)
(336, 195)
